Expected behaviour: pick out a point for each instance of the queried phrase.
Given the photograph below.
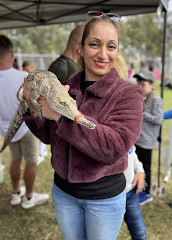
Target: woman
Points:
(89, 184)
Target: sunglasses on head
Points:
(97, 14)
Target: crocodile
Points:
(45, 83)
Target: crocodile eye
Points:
(63, 104)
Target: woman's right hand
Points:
(47, 112)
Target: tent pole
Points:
(162, 90)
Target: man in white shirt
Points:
(24, 143)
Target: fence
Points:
(41, 61)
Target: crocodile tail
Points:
(13, 128)
(20, 93)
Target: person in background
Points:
(168, 114)
(152, 120)
(24, 143)
(142, 66)
(134, 184)
(66, 65)
(29, 67)
(131, 72)
(15, 64)
(150, 66)
(89, 184)
(170, 203)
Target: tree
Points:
(42, 39)
(142, 35)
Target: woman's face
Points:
(100, 50)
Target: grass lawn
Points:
(39, 223)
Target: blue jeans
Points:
(80, 219)
(133, 216)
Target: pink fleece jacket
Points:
(116, 107)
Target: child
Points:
(28, 66)
(134, 183)
(152, 120)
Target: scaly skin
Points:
(45, 83)
(13, 128)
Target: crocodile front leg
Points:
(34, 104)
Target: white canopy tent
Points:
(26, 13)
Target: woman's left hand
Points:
(47, 112)
(139, 180)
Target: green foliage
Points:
(144, 34)
(140, 36)
(42, 39)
